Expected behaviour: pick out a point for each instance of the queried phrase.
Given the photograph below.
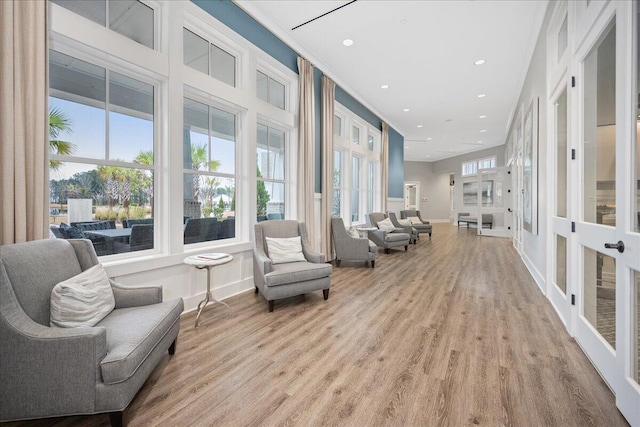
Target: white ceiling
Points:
(425, 51)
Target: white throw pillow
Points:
(386, 225)
(284, 250)
(353, 232)
(82, 300)
(405, 222)
(414, 220)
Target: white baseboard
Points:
(221, 293)
(542, 284)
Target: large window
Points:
(209, 148)
(131, 18)
(356, 167)
(101, 128)
(337, 183)
(271, 184)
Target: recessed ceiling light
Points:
(449, 120)
(479, 62)
(428, 156)
(403, 21)
(482, 117)
(347, 42)
(483, 130)
(419, 126)
(479, 142)
(428, 139)
(405, 110)
(482, 95)
(384, 87)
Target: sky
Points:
(128, 136)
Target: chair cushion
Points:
(284, 274)
(82, 300)
(285, 250)
(132, 333)
(373, 247)
(396, 237)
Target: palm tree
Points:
(59, 123)
(198, 160)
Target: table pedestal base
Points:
(208, 297)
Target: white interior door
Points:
(606, 248)
(412, 195)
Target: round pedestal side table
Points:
(208, 261)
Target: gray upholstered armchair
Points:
(386, 239)
(277, 281)
(50, 371)
(423, 227)
(409, 229)
(350, 248)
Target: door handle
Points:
(619, 246)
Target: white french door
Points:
(605, 261)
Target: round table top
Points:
(208, 260)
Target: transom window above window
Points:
(355, 135)
(471, 168)
(337, 125)
(271, 90)
(208, 58)
(131, 18)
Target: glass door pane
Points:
(561, 145)
(561, 263)
(599, 147)
(636, 326)
(599, 292)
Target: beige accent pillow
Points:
(386, 225)
(285, 249)
(414, 220)
(83, 300)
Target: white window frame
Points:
(349, 149)
(288, 173)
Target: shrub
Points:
(123, 214)
(137, 212)
(206, 211)
(102, 213)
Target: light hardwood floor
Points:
(452, 332)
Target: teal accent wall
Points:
(396, 164)
(242, 23)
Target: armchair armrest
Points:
(356, 247)
(129, 296)
(312, 256)
(263, 262)
(377, 237)
(42, 366)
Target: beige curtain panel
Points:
(328, 107)
(384, 167)
(306, 146)
(24, 142)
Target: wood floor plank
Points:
(452, 332)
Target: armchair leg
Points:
(172, 347)
(406, 248)
(338, 262)
(429, 236)
(373, 264)
(325, 293)
(387, 250)
(271, 303)
(120, 418)
(256, 290)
